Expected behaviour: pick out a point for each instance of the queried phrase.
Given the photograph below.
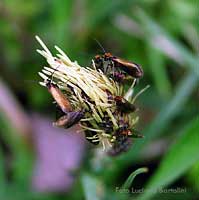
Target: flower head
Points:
(106, 115)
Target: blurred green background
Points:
(162, 36)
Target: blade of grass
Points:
(157, 65)
(102, 9)
(132, 176)
(181, 156)
(155, 32)
(167, 114)
(61, 18)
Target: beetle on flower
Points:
(86, 95)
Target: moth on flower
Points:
(86, 95)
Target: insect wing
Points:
(59, 97)
(130, 68)
(123, 105)
(70, 119)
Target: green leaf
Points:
(103, 9)
(159, 73)
(181, 156)
(183, 56)
(132, 176)
(61, 20)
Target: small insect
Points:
(123, 129)
(106, 125)
(59, 97)
(122, 144)
(123, 140)
(108, 62)
(123, 105)
(126, 131)
(116, 67)
(71, 117)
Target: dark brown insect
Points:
(123, 140)
(71, 117)
(123, 129)
(115, 66)
(121, 145)
(123, 105)
(106, 125)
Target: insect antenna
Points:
(51, 77)
(100, 45)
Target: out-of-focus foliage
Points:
(180, 157)
(162, 36)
